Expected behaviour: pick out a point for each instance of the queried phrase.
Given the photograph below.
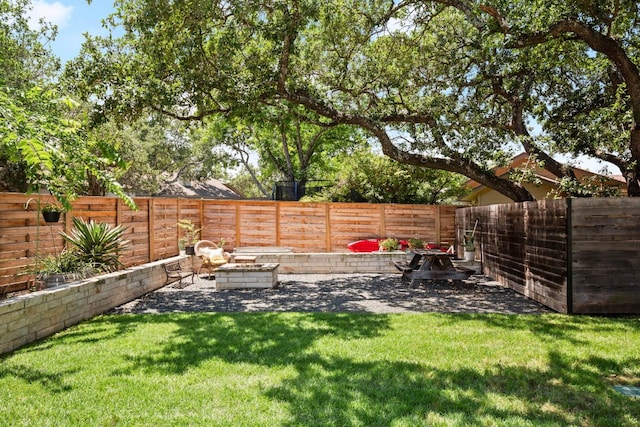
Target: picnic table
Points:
(431, 265)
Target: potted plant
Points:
(190, 235)
(51, 212)
(389, 244)
(67, 266)
(415, 243)
(469, 247)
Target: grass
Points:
(323, 369)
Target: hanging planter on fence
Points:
(51, 216)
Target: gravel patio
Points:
(363, 293)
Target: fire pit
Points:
(242, 276)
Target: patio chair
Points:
(211, 256)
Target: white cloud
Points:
(55, 13)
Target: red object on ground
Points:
(368, 245)
(371, 245)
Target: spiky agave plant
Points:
(97, 243)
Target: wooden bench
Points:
(175, 273)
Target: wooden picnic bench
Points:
(431, 265)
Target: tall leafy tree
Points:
(42, 133)
(281, 143)
(365, 176)
(449, 85)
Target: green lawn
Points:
(327, 369)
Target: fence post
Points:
(438, 225)
(277, 223)
(151, 226)
(327, 219)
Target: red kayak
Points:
(371, 245)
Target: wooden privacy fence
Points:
(573, 255)
(153, 229)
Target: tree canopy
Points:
(455, 85)
(43, 139)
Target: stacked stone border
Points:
(31, 317)
(331, 262)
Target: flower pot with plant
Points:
(189, 235)
(52, 212)
(389, 244)
(415, 243)
(66, 266)
(469, 246)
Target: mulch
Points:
(340, 293)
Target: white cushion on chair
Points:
(212, 254)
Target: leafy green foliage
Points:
(592, 186)
(390, 244)
(189, 234)
(97, 243)
(287, 145)
(365, 176)
(43, 138)
(456, 86)
(65, 262)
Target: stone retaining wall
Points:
(332, 262)
(33, 316)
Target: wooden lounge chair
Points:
(211, 256)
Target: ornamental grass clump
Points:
(97, 243)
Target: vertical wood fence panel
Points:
(605, 267)
(137, 232)
(153, 230)
(350, 222)
(575, 256)
(523, 246)
(220, 221)
(257, 222)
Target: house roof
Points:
(210, 189)
(521, 161)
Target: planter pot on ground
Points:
(53, 280)
(469, 255)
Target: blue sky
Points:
(73, 18)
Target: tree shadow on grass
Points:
(338, 391)
(329, 389)
(333, 390)
(261, 338)
(53, 382)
